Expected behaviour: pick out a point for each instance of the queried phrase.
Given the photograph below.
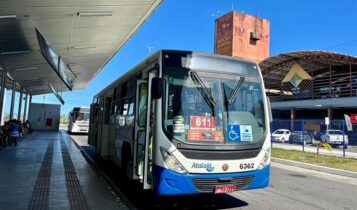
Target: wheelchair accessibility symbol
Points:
(233, 132)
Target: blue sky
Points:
(189, 25)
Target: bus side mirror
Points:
(157, 86)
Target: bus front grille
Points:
(209, 185)
(219, 155)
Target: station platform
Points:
(46, 170)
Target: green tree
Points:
(6, 117)
(64, 119)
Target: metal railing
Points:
(306, 133)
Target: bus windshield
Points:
(220, 109)
(81, 116)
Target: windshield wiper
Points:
(229, 99)
(207, 95)
(234, 92)
(225, 96)
(225, 102)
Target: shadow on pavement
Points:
(146, 200)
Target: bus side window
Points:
(108, 103)
(131, 108)
(116, 105)
(130, 115)
(126, 116)
(122, 112)
(125, 108)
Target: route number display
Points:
(202, 122)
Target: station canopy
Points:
(275, 68)
(319, 78)
(63, 44)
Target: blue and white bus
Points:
(186, 123)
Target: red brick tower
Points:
(243, 36)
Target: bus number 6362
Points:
(246, 166)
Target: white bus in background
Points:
(78, 120)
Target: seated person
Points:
(14, 131)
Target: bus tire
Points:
(127, 162)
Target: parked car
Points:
(334, 138)
(301, 136)
(281, 135)
(317, 135)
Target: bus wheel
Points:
(127, 166)
(129, 169)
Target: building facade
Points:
(243, 36)
(303, 85)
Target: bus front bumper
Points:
(171, 183)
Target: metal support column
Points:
(292, 119)
(30, 101)
(330, 116)
(25, 108)
(12, 100)
(2, 93)
(312, 85)
(330, 83)
(351, 86)
(20, 106)
(3, 108)
(330, 113)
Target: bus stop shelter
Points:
(56, 46)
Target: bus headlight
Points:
(266, 159)
(171, 162)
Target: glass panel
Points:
(192, 118)
(131, 108)
(140, 153)
(125, 108)
(142, 105)
(130, 118)
(335, 132)
(82, 116)
(108, 103)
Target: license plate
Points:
(225, 189)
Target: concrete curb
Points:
(316, 167)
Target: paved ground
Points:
(296, 188)
(47, 171)
(290, 188)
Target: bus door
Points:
(99, 124)
(140, 126)
(105, 129)
(92, 132)
(143, 141)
